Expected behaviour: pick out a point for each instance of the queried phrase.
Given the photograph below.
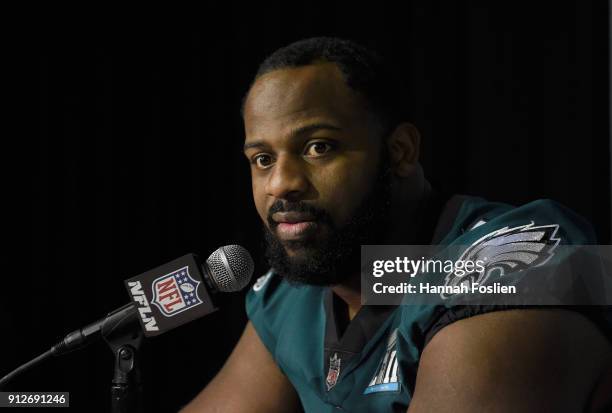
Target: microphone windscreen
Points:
(231, 268)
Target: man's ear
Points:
(404, 146)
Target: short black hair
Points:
(364, 70)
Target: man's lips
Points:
(296, 230)
(292, 217)
(293, 225)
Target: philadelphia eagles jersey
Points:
(370, 363)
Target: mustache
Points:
(319, 214)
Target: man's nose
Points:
(287, 180)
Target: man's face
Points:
(314, 151)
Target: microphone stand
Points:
(124, 337)
(122, 332)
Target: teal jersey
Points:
(370, 363)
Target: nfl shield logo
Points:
(175, 292)
(333, 372)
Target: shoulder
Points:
(477, 357)
(516, 239)
(273, 305)
(477, 216)
(271, 293)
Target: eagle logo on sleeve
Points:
(507, 250)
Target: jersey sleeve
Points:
(260, 304)
(563, 227)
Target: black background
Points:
(138, 158)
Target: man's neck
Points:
(350, 293)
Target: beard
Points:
(337, 257)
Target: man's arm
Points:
(515, 361)
(250, 381)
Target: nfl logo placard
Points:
(167, 301)
(175, 292)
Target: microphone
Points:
(176, 291)
(182, 290)
(164, 298)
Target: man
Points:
(334, 166)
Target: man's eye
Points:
(262, 161)
(318, 148)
